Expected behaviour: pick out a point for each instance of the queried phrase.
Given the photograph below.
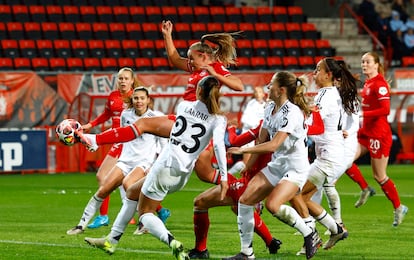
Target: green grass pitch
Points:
(36, 210)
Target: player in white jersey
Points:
(197, 122)
(284, 133)
(136, 157)
(329, 146)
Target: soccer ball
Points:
(65, 131)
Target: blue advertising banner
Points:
(22, 150)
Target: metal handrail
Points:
(345, 7)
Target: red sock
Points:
(118, 135)
(159, 207)
(104, 207)
(261, 229)
(355, 174)
(201, 226)
(389, 189)
(242, 139)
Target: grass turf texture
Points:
(36, 211)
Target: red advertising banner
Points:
(28, 101)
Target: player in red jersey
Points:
(375, 134)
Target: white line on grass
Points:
(74, 246)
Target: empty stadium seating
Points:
(73, 34)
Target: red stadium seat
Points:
(217, 14)
(243, 63)
(67, 31)
(33, 30)
(113, 48)
(105, 14)
(244, 48)
(248, 30)
(6, 14)
(198, 29)
(74, 64)
(15, 30)
(50, 30)
(28, 48)
(278, 31)
(280, 14)
(151, 31)
(260, 47)
(308, 47)
(62, 48)
(324, 48)
(71, 14)
(290, 62)
(306, 62)
(126, 62)
(88, 14)
(92, 64)
(169, 13)
(160, 48)
(143, 64)
(6, 64)
(294, 30)
(276, 47)
(130, 48)
(309, 31)
(117, 31)
(258, 63)
(54, 13)
(263, 31)
(160, 63)
(121, 14)
(20, 13)
(154, 14)
(45, 48)
(274, 62)
(202, 14)
(292, 47)
(134, 31)
(183, 31)
(147, 48)
(10, 48)
(265, 14)
(40, 64)
(3, 31)
(186, 14)
(57, 64)
(84, 31)
(408, 61)
(296, 14)
(100, 31)
(79, 48)
(249, 14)
(233, 14)
(96, 48)
(214, 27)
(37, 13)
(137, 14)
(182, 47)
(22, 64)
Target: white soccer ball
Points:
(65, 131)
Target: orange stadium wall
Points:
(30, 100)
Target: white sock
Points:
(237, 167)
(127, 211)
(91, 208)
(317, 197)
(245, 221)
(155, 226)
(327, 220)
(122, 192)
(310, 222)
(334, 202)
(288, 215)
